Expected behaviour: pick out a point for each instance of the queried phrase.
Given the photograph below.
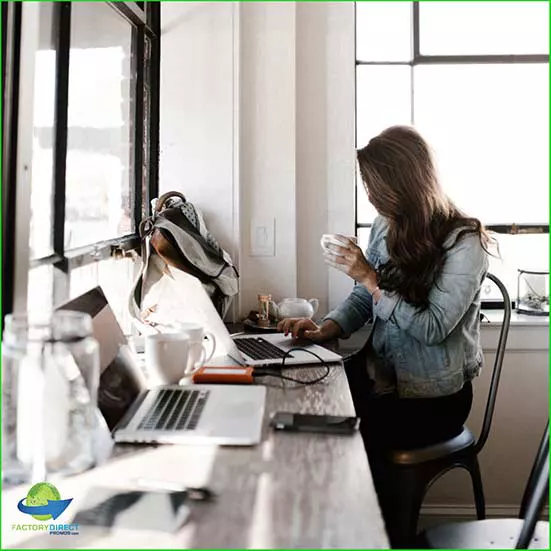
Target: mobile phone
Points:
(299, 422)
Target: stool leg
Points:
(478, 489)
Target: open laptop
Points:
(193, 414)
(191, 303)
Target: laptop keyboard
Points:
(258, 348)
(175, 409)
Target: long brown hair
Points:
(400, 179)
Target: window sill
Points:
(496, 316)
(526, 333)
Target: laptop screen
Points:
(121, 380)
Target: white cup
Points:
(167, 355)
(336, 239)
(202, 345)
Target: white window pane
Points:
(471, 28)
(115, 276)
(383, 99)
(366, 212)
(383, 31)
(100, 126)
(489, 127)
(363, 238)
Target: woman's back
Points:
(433, 350)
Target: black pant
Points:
(389, 422)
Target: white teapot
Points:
(297, 308)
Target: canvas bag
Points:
(175, 238)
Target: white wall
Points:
(268, 174)
(325, 142)
(196, 112)
(296, 143)
(257, 119)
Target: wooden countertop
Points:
(293, 490)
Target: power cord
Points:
(268, 373)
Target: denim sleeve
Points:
(449, 299)
(354, 312)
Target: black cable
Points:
(277, 374)
(484, 317)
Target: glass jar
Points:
(533, 293)
(50, 377)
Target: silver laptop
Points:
(273, 348)
(193, 414)
(251, 350)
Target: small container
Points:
(265, 310)
(50, 377)
(533, 293)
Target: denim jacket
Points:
(430, 352)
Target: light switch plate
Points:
(263, 236)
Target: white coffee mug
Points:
(336, 239)
(202, 345)
(167, 356)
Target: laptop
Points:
(245, 349)
(172, 414)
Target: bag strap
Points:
(164, 197)
(144, 230)
(145, 227)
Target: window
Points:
(473, 77)
(100, 141)
(93, 134)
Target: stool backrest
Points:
(498, 363)
(535, 494)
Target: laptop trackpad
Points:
(232, 412)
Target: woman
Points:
(420, 285)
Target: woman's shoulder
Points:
(467, 246)
(463, 236)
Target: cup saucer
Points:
(265, 329)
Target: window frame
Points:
(11, 55)
(507, 227)
(145, 27)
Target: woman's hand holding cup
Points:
(342, 253)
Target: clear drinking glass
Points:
(50, 377)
